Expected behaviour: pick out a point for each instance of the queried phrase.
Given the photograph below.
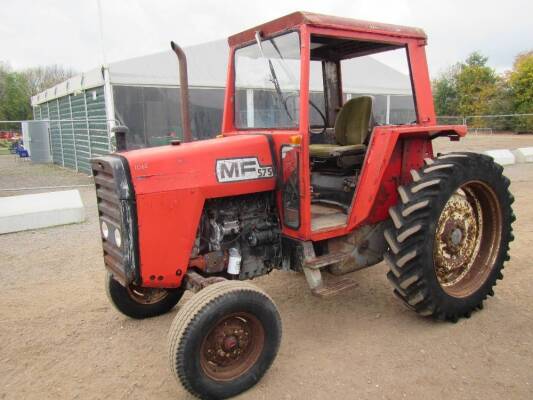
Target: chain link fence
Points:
(500, 123)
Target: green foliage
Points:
(473, 88)
(16, 89)
(476, 85)
(445, 92)
(15, 103)
(521, 80)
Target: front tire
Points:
(139, 303)
(224, 339)
(451, 235)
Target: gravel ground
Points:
(61, 338)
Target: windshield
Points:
(267, 83)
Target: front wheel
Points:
(451, 235)
(224, 339)
(138, 302)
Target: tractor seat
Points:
(352, 126)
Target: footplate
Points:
(334, 288)
(312, 266)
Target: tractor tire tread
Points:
(407, 237)
(186, 316)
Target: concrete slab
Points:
(41, 210)
(502, 157)
(523, 154)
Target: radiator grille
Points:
(117, 210)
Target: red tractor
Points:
(296, 186)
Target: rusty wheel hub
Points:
(232, 347)
(467, 236)
(146, 295)
(458, 238)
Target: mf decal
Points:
(242, 169)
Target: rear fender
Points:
(393, 152)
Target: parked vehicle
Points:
(334, 197)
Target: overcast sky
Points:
(66, 31)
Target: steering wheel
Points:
(324, 125)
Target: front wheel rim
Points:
(467, 239)
(232, 346)
(146, 296)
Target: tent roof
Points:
(207, 65)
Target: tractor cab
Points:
(290, 79)
(307, 176)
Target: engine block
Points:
(249, 223)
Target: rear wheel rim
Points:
(146, 296)
(467, 239)
(232, 346)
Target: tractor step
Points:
(312, 266)
(325, 260)
(334, 288)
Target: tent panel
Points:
(81, 131)
(96, 116)
(67, 132)
(55, 132)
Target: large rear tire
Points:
(224, 339)
(452, 229)
(139, 303)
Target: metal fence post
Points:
(73, 132)
(60, 133)
(50, 132)
(87, 122)
(109, 104)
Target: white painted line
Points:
(502, 157)
(523, 154)
(41, 210)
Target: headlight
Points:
(105, 230)
(118, 238)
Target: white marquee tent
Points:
(142, 93)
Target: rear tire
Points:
(451, 235)
(224, 339)
(139, 303)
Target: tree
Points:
(502, 104)
(445, 93)
(473, 88)
(476, 85)
(521, 83)
(4, 72)
(43, 77)
(15, 104)
(16, 88)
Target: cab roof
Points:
(291, 21)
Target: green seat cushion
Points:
(334, 150)
(353, 120)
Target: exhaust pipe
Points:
(184, 92)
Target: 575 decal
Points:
(242, 169)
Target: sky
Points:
(67, 32)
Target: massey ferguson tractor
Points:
(296, 184)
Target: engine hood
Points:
(216, 167)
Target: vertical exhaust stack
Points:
(184, 91)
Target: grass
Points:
(4, 147)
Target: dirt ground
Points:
(60, 338)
